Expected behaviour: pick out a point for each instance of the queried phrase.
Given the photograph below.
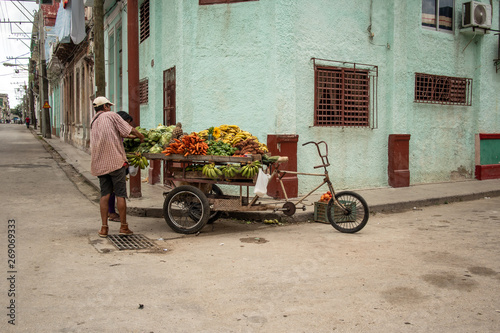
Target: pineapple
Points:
(177, 132)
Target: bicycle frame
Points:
(281, 173)
(326, 180)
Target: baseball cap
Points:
(101, 100)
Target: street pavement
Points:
(380, 200)
(432, 269)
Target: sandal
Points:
(125, 231)
(103, 235)
(115, 218)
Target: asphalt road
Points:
(429, 270)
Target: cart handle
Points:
(324, 158)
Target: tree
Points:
(17, 110)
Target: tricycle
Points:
(196, 200)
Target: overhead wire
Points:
(29, 19)
(6, 29)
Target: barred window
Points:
(439, 89)
(345, 97)
(212, 2)
(143, 91)
(144, 17)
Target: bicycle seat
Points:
(282, 159)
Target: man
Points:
(27, 120)
(112, 214)
(108, 160)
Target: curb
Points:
(409, 205)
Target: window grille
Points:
(345, 96)
(144, 17)
(144, 91)
(446, 90)
(213, 2)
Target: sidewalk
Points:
(380, 200)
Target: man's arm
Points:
(137, 134)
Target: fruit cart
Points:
(195, 199)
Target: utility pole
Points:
(133, 80)
(100, 75)
(44, 83)
(31, 99)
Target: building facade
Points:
(349, 72)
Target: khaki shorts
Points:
(114, 182)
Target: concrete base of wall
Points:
(489, 171)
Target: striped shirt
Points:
(106, 145)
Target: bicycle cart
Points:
(196, 200)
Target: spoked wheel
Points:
(352, 216)
(214, 215)
(186, 209)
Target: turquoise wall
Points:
(250, 64)
(116, 24)
(55, 110)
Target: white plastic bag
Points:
(132, 170)
(260, 188)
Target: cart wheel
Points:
(350, 218)
(179, 206)
(214, 215)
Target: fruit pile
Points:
(230, 170)
(325, 197)
(188, 145)
(220, 148)
(211, 171)
(251, 169)
(154, 140)
(234, 137)
(137, 160)
(249, 146)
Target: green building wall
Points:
(250, 64)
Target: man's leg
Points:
(106, 185)
(122, 210)
(120, 189)
(112, 214)
(103, 205)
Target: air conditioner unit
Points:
(476, 14)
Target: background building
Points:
(352, 73)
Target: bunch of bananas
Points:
(229, 128)
(137, 160)
(211, 171)
(250, 170)
(263, 147)
(241, 136)
(203, 134)
(230, 170)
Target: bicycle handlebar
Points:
(324, 158)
